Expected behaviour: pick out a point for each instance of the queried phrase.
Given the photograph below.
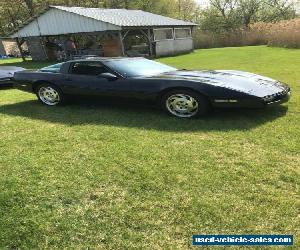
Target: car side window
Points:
(52, 68)
(88, 68)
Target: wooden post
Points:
(148, 36)
(150, 42)
(122, 44)
(41, 39)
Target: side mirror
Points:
(108, 76)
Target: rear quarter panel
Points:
(28, 80)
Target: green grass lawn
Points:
(96, 176)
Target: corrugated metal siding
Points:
(29, 30)
(56, 22)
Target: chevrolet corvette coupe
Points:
(181, 93)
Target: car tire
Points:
(185, 104)
(50, 95)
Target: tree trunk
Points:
(30, 7)
(126, 3)
(19, 44)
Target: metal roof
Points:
(124, 17)
(58, 20)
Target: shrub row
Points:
(281, 34)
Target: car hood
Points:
(8, 71)
(236, 80)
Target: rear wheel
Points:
(185, 104)
(49, 94)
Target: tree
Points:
(247, 11)
(276, 10)
(226, 15)
(220, 16)
(186, 9)
(30, 7)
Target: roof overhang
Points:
(57, 20)
(53, 22)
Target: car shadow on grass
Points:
(139, 115)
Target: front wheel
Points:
(185, 104)
(49, 94)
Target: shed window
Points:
(182, 33)
(163, 34)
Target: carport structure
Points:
(105, 32)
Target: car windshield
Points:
(52, 68)
(138, 67)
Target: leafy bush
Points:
(281, 34)
(207, 39)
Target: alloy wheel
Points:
(49, 95)
(182, 105)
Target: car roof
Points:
(105, 59)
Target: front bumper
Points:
(278, 98)
(256, 102)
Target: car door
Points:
(84, 78)
(133, 87)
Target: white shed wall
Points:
(173, 47)
(56, 22)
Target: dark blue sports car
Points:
(181, 93)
